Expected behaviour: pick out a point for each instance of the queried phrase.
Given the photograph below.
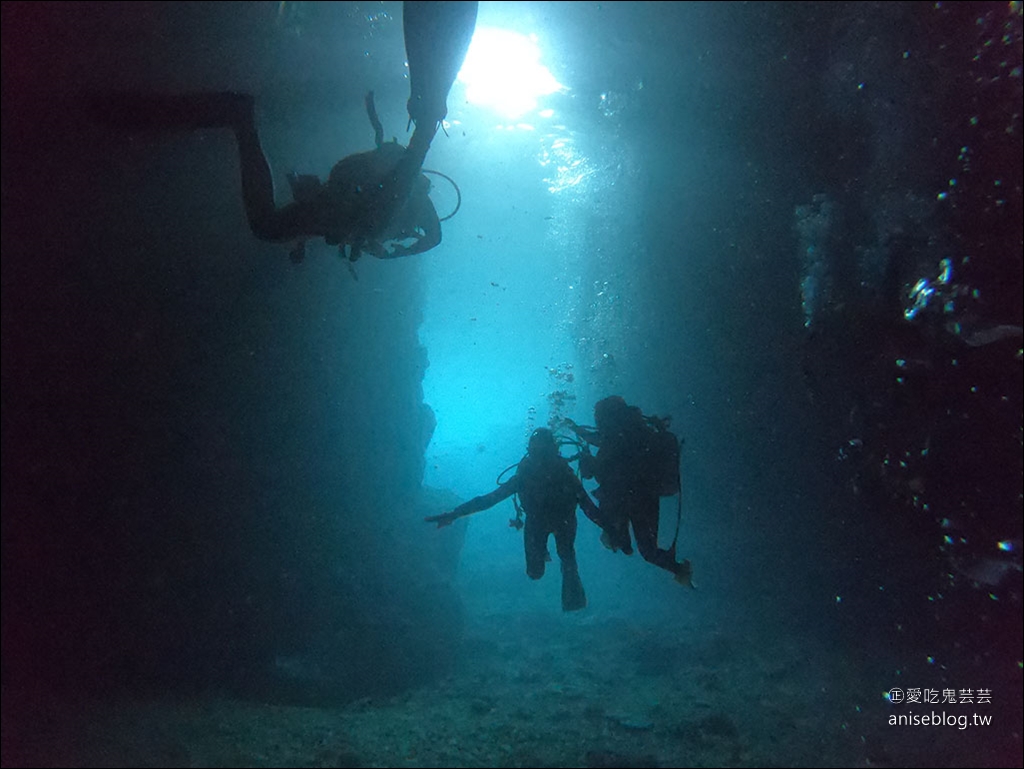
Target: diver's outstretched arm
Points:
(588, 434)
(476, 504)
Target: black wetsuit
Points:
(550, 492)
(629, 492)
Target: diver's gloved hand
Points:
(616, 541)
(445, 519)
(570, 424)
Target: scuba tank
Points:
(662, 452)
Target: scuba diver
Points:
(373, 202)
(412, 227)
(549, 492)
(635, 465)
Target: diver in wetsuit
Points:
(373, 202)
(549, 491)
(629, 487)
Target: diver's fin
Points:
(684, 574)
(437, 37)
(574, 597)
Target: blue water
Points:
(793, 227)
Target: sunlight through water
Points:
(503, 72)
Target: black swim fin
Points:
(437, 36)
(574, 597)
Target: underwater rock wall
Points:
(392, 613)
(212, 457)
